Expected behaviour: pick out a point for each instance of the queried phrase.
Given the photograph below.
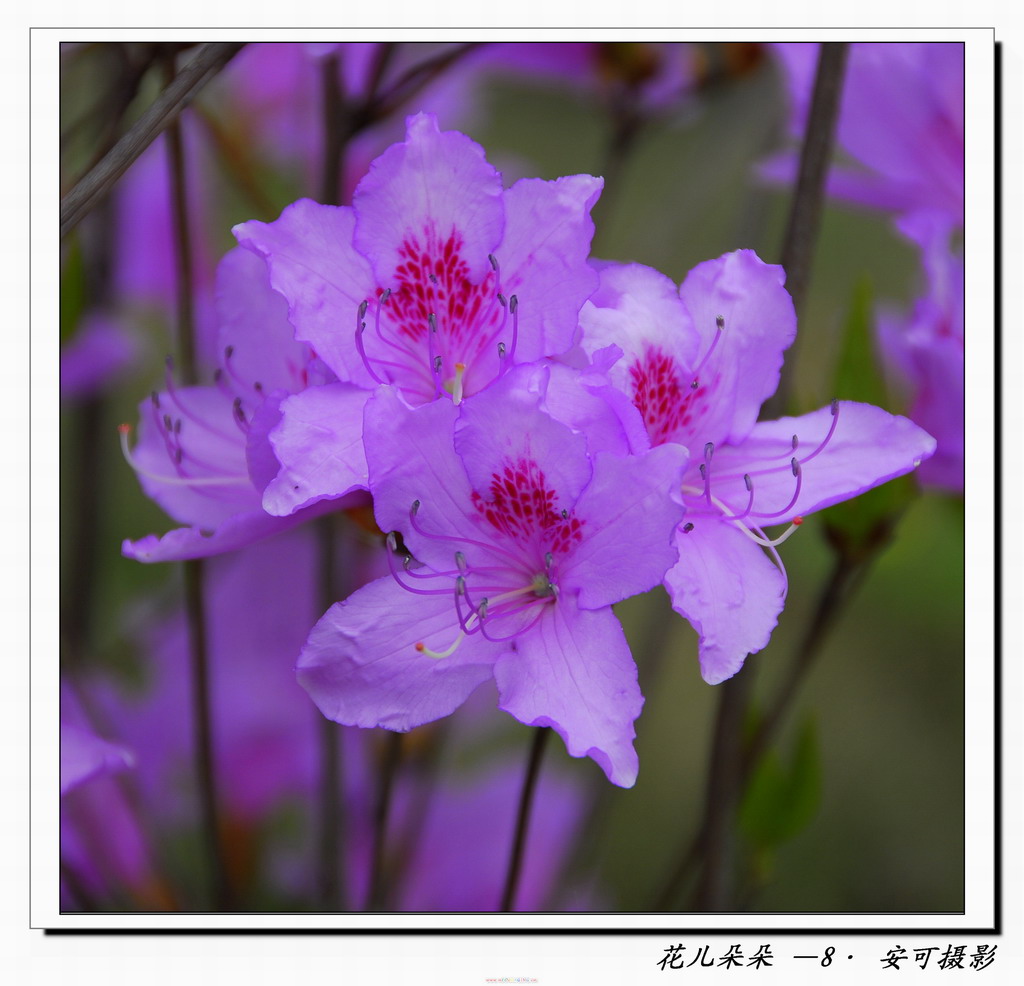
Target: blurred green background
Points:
(880, 716)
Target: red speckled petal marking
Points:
(520, 504)
(664, 396)
(433, 278)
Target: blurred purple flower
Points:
(102, 852)
(84, 755)
(926, 350)
(460, 855)
(260, 604)
(526, 537)
(457, 278)
(649, 76)
(901, 119)
(698, 366)
(99, 353)
(202, 452)
(144, 273)
(275, 102)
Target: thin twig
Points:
(330, 868)
(729, 766)
(415, 80)
(377, 890)
(724, 787)
(335, 134)
(515, 861)
(202, 729)
(843, 580)
(193, 571)
(209, 60)
(805, 209)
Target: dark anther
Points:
(415, 505)
(709, 449)
(384, 297)
(796, 442)
(362, 308)
(155, 398)
(835, 406)
(513, 304)
(687, 528)
(748, 482)
(565, 514)
(720, 321)
(501, 350)
(438, 363)
(432, 322)
(796, 466)
(229, 351)
(695, 384)
(493, 260)
(433, 278)
(501, 300)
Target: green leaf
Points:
(782, 798)
(857, 376)
(860, 526)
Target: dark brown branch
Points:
(515, 862)
(209, 60)
(805, 209)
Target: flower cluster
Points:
(905, 156)
(542, 436)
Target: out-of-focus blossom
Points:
(525, 539)
(460, 857)
(144, 269)
(698, 366)
(202, 451)
(260, 603)
(901, 120)
(926, 350)
(84, 755)
(436, 281)
(104, 858)
(651, 77)
(99, 353)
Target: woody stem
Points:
(515, 861)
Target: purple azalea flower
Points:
(435, 281)
(901, 119)
(524, 537)
(926, 349)
(698, 366)
(203, 452)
